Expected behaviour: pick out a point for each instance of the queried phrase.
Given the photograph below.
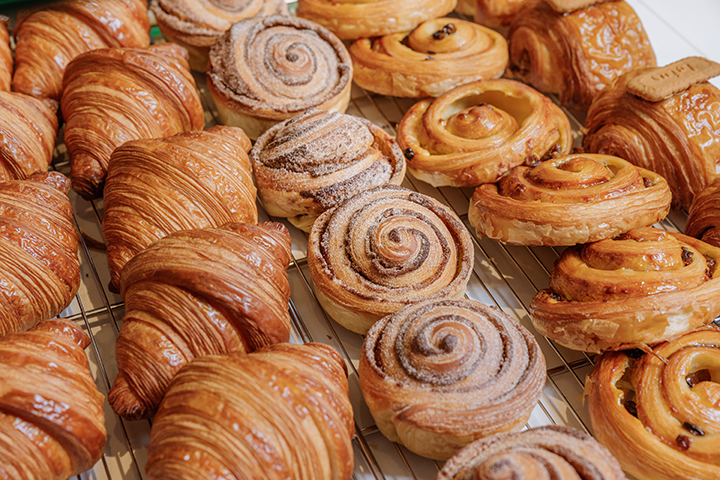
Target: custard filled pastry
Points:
(6, 58)
(384, 249)
(313, 162)
(500, 13)
(476, 132)
(639, 289)
(440, 374)
(51, 414)
(265, 70)
(569, 200)
(658, 413)
(282, 412)
(704, 217)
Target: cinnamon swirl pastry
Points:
(704, 218)
(440, 374)
(6, 58)
(659, 413)
(313, 162)
(575, 199)
(500, 13)
(478, 131)
(576, 54)
(435, 57)
(384, 249)
(639, 289)
(265, 70)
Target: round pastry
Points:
(642, 288)
(437, 56)
(196, 25)
(550, 452)
(265, 70)
(384, 249)
(659, 413)
(500, 13)
(478, 131)
(569, 200)
(704, 217)
(440, 374)
(313, 162)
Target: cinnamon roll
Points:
(384, 249)
(704, 217)
(575, 199)
(658, 413)
(500, 13)
(265, 70)
(6, 58)
(640, 289)
(478, 131)
(440, 374)
(435, 57)
(313, 162)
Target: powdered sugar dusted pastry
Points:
(704, 217)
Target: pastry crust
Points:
(704, 217)
(500, 13)
(6, 58)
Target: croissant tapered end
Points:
(124, 402)
(6, 59)
(64, 328)
(271, 234)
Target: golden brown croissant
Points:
(156, 187)
(704, 217)
(478, 131)
(500, 13)
(6, 58)
(39, 267)
(440, 374)
(112, 96)
(659, 413)
(52, 424)
(280, 413)
(576, 54)
(49, 38)
(639, 289)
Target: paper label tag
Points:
(664, 82)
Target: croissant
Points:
(478, 131)
(39, 267)
(156, 187)
(658, 413)
(112, 96)
(576, 54)
(500, 13)
(704, 217)
(6, 58)
(49, 38)
(280, 413)
(639, 289)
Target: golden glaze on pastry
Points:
(500, 13)
(6, 58)
(435, 57)
(639, 289)
(704, 217)
(313, 162)
(659, 414)
(476, 132)
(440, 374)
(569, 200)
(280, 413)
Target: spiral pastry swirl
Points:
(639, 289)
(478, 131)
(437, 56)
(569, 200)
(659, 414)
(704, 217)
(383, 249)
(440, 374)
(6, 58)
(550, 452)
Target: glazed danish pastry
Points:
(440, 374)
(6, 58)
(704, 217)
(478, 131)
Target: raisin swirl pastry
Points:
(659, 413)
(265, 70)
(569, 200)
(310, 163)
(639, 289)
(440, 374)
(704, 217)
(384, 249)
(478, 131)
(282, 412)
(6, 58)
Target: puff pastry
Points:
(478, 131)
(6, 58)
(642, 288)
(384, 249)
(569, 200)
(281, 412)
(658, 414)
(49, 38)
(704, 217)
(500, 13)
(440, 374)
(156, 187)
(52, 424)
(39, 267)
(313, 162)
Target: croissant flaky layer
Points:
(6, 58)
(704, 216)
(282, 412)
